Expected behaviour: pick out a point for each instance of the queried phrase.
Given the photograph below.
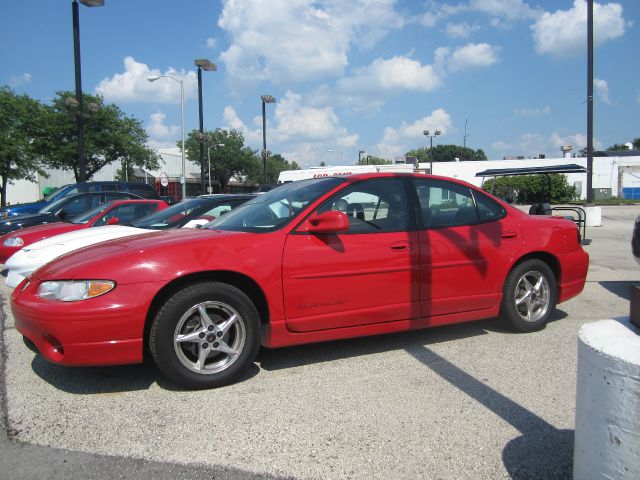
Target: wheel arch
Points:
(546, 257)
(238, 280)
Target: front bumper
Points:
(106, 330)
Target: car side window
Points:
(114, 196)
(488, 209)
(78, 205)
(445, 204)
(372, 206)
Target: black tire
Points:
(529, 296)
(205, 351)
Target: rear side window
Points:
(488, 209)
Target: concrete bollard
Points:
(607, 437)
(594, 216)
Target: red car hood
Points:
(153, 255)
(40, 232)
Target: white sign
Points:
(164, 179)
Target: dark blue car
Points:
(141, 189)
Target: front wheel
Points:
(529, 296)
(206, 335)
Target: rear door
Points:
(467, 244)
(366, 275)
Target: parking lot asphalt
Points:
(469, 401)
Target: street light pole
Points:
(206, 65)
(265, 99)
(427, 134)
(82, 165)
(360, 152)
(184, 178)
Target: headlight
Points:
(13, 242)
(74, 290)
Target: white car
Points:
(195, 213)
(25, 261)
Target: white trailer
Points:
(294, 175)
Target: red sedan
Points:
(309, 261)
(116, 212)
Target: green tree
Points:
(229, 156)
(636, 143)
(275, 164)
(618, 146)
(20, 124)
(447, 153)
(373, 160)
(109, 135)
(526, 189)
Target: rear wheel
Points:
(529, 296)
(205, 335)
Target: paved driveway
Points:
(467, 401)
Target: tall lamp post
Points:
(427, 134)
(183, 179)
(265, 99)
(82, 166)
(360, 152)
(216, 145)
(207, 66)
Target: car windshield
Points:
(54, 207)
(85, 217)
(274, 209)
(56, 194)
(173, 216)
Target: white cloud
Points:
(509, 9)
(460, 30)
(397, 73)
(396, 141)
(132, 85)
(532, 112)
(474, 55)
(296, 122)
(20, 80)
(212, 42)
(564, 32)
(499, 11)
(324, 31)
(533, 144)
(161, 135)
(602, 90)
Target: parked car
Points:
(635, 240)
(290, 267)
(142, 190)
(65, 208)
(194, 213)
(114, 212)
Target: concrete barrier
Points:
(594, 216)
(607, 437)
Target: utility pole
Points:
(464, 141)
(589, 197)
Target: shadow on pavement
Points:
(542, 452)
(619, 288)
(281, 358)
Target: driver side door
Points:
(366, 275)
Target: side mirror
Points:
(113, 221)
(62, 214)
(332, 221)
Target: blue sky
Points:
(347, 75)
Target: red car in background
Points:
(310, 261)
(116, 212)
